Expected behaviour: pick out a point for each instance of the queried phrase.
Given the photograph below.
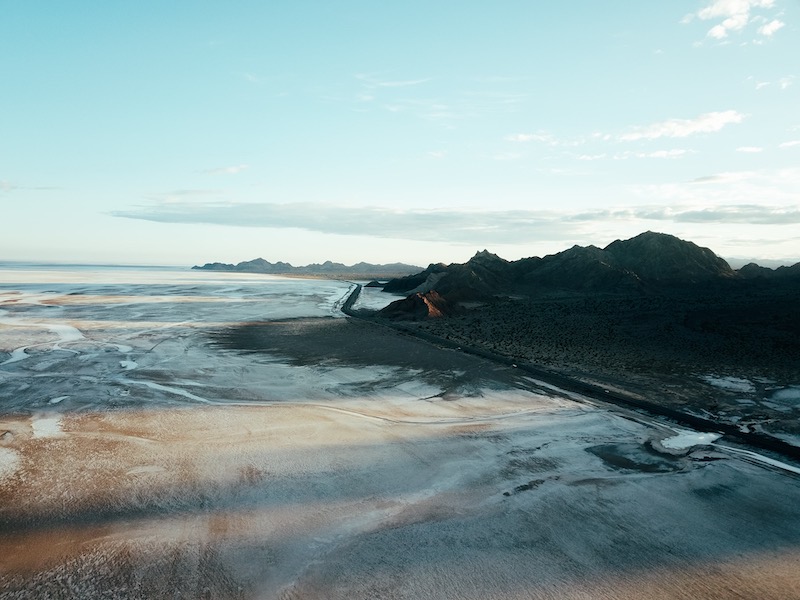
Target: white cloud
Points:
(771, 27)
(718, 32)
(785, 82)
(749, 149)
(790, 144)
(226, 170)
(678, 128)
(591, 156)
(762, 84)
(6, 186)
(460, 226)
(735, 16)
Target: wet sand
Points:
(325, 458)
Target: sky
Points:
(185, 132)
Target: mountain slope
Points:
(647, 263)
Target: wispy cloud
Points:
(251, 77)
(544, 138)
(454, 226)
(775, 187)
(7, 186)
(771, 27)
(725, 214)
(735, 16)
(465, 226)
(750, 149)
(678, 128)
(790, 144)
(674, 153)
(374, 81)
(226, 170)
(782, 83)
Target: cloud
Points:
(775, 187)
(544, 138)
(677, 128)
(749, 149)
(785, 82)
(790, 144)
(747, 214)
(454, 226)
(771, 27)
(728, 177)
(675, 153)
(735, 16)
(226, 170)
(7, 186)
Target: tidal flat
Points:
(166, 434)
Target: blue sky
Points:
(187, 132)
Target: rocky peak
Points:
(663, 257)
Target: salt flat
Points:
(180, 435)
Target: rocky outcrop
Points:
(417, 307)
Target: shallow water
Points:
(169, 433)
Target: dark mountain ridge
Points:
(654, 316)
(648, 263)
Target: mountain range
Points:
(360, 270)
(654, 316)
(648, 263)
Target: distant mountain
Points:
(360, 270)
(649, 262)
(754, 271)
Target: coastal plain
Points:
(168, 435)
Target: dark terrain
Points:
(654, 316)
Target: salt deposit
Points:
(687, 439)
(734, 384)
